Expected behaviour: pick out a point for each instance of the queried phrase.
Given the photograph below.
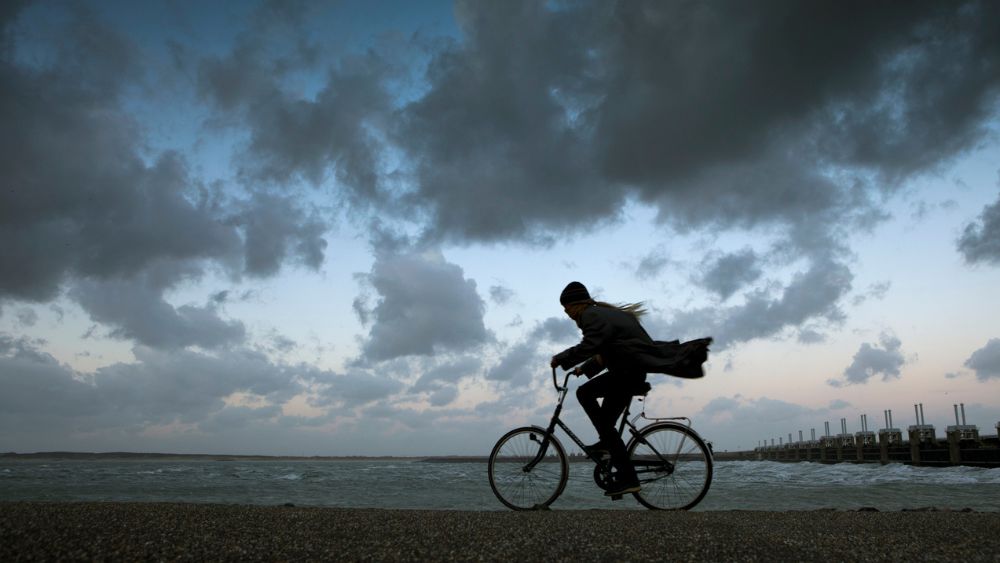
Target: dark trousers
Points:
(616, 389)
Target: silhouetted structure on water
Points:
(962, 444)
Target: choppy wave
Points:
(737, 485)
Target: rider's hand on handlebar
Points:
(577, 371)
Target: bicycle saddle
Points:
(642, 388)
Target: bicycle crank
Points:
(602, 476)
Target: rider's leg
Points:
(598, 387)
(616, 390)
(614, 406)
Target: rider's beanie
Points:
(574, 292)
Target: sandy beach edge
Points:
(175, 531)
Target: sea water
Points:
(397, 484)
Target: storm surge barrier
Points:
(961, 445)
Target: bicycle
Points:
(528, 467)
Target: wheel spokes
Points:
(527, 470)
(674, 468)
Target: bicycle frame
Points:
(672, 461)
(555, 421)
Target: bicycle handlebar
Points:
(555, 382)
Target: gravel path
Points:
(35, 531)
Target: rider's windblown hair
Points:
(637, 309)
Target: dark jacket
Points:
(624, 345)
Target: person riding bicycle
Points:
(606, 332)
(613, 338)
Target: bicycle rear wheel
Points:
(528, 469)
(674, 466)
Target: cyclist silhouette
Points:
(605, 328)
(613, 339)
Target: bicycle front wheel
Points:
(528, 469)
(674, 466)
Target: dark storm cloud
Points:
(179, 386)
(440, 377)
(447, 373)
(812, 296)
(26, 317)
(719, 113)
(49, 402)
(138, 312)
(980, 242)
(425, 305)
(517, 363)
(986, 361)
(875, 291)
(524, 360)
(726, 274)
(277, 230)
(8, 13)
(188, 388)
(78, 199)
(872, 360)
(34, 383)
(293, 137)
(651, 265)
(276, 342)
(182, 380)
(355, 388)
(443, 396)
(495, 145)
(539, 121)
(240, 417)
(555, 329)
(85, 205)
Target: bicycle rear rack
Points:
(643, 416)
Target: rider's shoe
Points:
(617, 489)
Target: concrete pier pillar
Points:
(862, 440)
(920, 435)
(888, 437)
(914, 448)
(954, 447)
(960, 433)
(846, 447)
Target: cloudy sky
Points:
(337, 228)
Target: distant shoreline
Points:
(138, 456)
(143, 456)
